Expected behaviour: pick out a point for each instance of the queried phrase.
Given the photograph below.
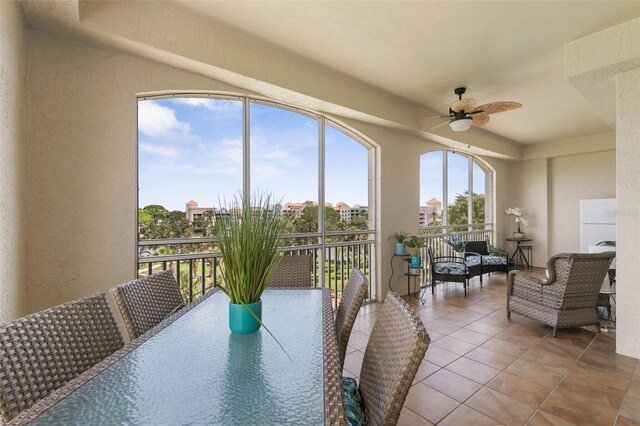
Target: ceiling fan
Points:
(464, 113)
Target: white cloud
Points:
(222, 106)
(158, 121)
(154, 149)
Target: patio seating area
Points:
(204, 206)
(484, 369)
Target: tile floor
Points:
(482, 369)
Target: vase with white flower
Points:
(520, 218)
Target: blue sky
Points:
(191, 148)
(458, 180)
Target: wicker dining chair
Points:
(396, 346)
(568, 297)
(41, 352)
(352, 296)
(145, 302)
(292, 271)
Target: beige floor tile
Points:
(353, 363)
(429, 403)
(631, 403)
(569, 340)
(425, 369)
(451, 384)
(587, 395)
(512, 346)
(409, 418)
(480, 327)
(439, 356)
(545, 376)
(481, 308)
(519, 388)
(552, 354)
(465, 415)
(542, 418)
(491, 358)
(470, 336)
(454, 345)
(440, 326)
(601, 353)
(501, 407)
(625, 421)
(358, 340)
(462, 317)
(473, 370)
(434, 335)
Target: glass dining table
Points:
(192, 370)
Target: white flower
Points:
(520, 215)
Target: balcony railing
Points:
(436, 237)
(196, 261)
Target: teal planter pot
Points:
(241, 321)
(401, 249)
(416, 261)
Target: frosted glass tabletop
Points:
(195, 371)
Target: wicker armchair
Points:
(145, 302)
(292, 271)
(41, 352)
(352, 296)
(568, 297)
(396, 346)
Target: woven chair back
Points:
(350, 301)
(578, 277)
(395, 350)
(292, 271)
(41, 352)
(479, 247)
(145, 302)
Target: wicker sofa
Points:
(568, 297)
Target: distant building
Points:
(431, 211)
(348, 213)
(193, 211)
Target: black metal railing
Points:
(196, 261)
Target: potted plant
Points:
(248, 241)
(456, 243)
(416, 243)
(401, 238)
(521, 220)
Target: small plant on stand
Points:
(417, 244)
(401, 237)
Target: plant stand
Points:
(410, 273)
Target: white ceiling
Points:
(423, 50)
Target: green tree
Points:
(458, 211)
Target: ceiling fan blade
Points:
(463, 104)
(480, 119)
(495, 107)
(434, 116)
(440, 124)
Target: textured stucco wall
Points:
(12, 162)
(81, 162)
(528, 190)
(628, 219)
(571, 179)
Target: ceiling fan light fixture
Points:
(460, 125)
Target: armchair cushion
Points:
(486, 260)
(450, 268)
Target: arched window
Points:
(196, 151)
(455, 193)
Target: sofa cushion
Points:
(450, 268)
